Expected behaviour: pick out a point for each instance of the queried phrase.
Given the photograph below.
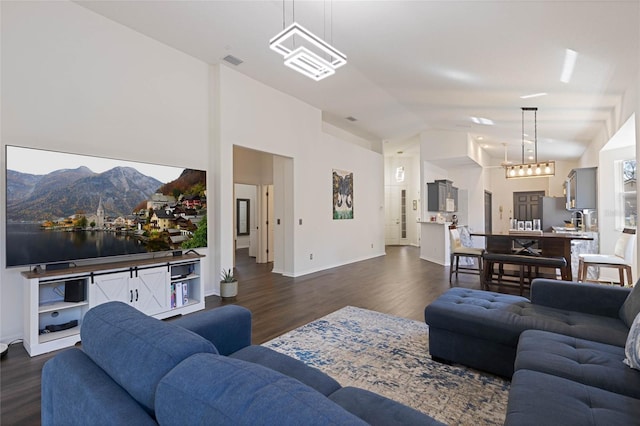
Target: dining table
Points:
(534, 243)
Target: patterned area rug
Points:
(390, 356)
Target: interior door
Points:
(265, 252)
(488, 227)
(395, 216)
(527, 205)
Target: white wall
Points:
(255, 116)
(74, 81)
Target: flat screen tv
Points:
(64, 207)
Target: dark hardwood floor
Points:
(399, 283)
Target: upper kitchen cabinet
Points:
(442, 196)
(581, 189)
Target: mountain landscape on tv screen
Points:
(62, 193)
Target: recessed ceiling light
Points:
(481, 120)
(533, 95)
(569, 63)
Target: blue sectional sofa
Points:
(563, 349)
(200, 369)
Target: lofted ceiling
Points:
(418, 65)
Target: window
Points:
(628, 211)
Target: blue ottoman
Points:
(476, 328)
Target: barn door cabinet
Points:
(56, 301)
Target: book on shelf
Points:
(179, 294)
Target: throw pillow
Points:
(465, 237)
(631, 306)
(632, 348)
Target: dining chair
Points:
(458, 250)
(621, 259)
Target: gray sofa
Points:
(200, 369)
(563, 349)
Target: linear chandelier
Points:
(536, 168)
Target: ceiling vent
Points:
(350, 118)
(233, 60)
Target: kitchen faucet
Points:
(578, 223)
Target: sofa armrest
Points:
(75, 391)
(595, 299)
(227, 327)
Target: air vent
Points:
(233, 60)
(350, 118)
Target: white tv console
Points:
(160, 287)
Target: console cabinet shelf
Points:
(56, 301)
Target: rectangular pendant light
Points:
(530, 170)
(303, 59)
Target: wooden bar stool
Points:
(457, 250)
(621, 259)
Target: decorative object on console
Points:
(228, 284)
(530, 169)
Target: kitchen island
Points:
(547, 244)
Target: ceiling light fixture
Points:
(481, 120)
(569, 63)
(315, 59)
(535, 169)
(533, 95)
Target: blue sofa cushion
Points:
(227, 327)
(73, 371)
(631, 306)
(290, 366)
(377, 410)
(586, 326)
(541, 399)
(136, 350)
(584, 361)
(225, 391)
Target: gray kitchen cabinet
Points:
(581, 189)
(442, 196)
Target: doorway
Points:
(396, 216)
(270, 237)
(488, 200)
(527, 205)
